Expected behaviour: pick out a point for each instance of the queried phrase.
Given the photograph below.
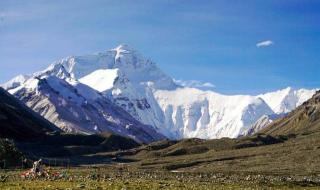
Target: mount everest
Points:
(123, 92)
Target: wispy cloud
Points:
(194, 83)
(264, 43)
(18, 16)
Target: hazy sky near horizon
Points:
(232, 47)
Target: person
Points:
(37, 166)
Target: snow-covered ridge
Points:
(15, 82)
(101, 79)
(191, 112)
(285, 100)
(204, 114)
(134, 83)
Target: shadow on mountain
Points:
(35, 137)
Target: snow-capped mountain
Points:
(127, 79)
(76, 107)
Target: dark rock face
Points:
(143, 104)
(17, 121)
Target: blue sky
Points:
(214, 42)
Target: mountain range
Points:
(287, 147)
(123, 92)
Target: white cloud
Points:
(264, 43)
(194, 83)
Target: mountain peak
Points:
(288, 89)
(123, 49)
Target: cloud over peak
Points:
(194, 84)
(264, 43)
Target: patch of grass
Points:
(112, 178)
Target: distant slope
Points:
(304, 119)
(259, 154)
(83, 149)
(20, 122)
